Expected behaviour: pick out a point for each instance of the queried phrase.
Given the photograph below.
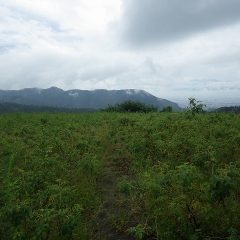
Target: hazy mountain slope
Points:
(55, 97)
(15, 107)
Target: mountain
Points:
(14, 107)
(233, 109)
(96, 99)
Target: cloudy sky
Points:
(173, 49)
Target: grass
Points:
(120, 176)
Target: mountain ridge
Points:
(76, 98)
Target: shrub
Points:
(131, 106)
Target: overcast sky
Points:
(172, 48)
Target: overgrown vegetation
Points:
(131, 106)
(176, 177)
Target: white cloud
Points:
(77, 15)
(75, 44)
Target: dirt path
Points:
(114, 169)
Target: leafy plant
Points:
(196, 106)
(91, 176)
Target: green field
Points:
(166, 176)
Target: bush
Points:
(131, 106)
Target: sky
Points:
(173, 49)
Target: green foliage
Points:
(178, 178)
(195, 106)
(48, 176)
(125, 187)
(90, 164)
(139, 232)
(131, 106)
(187, 176)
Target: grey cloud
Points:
(151, 21)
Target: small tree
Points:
(195, 106)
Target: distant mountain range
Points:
(80, 99)
(233, 109)
(14, 107)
